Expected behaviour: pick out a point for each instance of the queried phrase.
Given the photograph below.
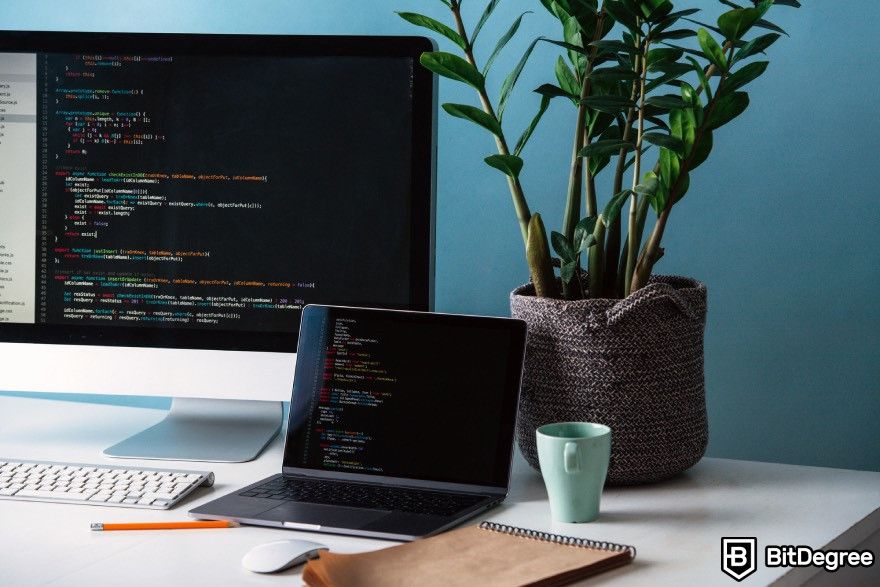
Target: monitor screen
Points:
(200, 197)
(404, 394)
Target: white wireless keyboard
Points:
(131, 487)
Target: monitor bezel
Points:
(422, 172)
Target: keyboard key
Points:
(96, 484)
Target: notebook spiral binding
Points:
(559, 539)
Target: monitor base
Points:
(219, 431)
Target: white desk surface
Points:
(676, 526)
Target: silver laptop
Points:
(401, 425)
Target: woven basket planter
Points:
(635, 365)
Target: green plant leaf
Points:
(673, 16)
(689, 95)
(572, 34)
(655, 10)
(755, 46)
(683, 184)
(583, 234)
(551, 7)
(711, 49)
(744, 75)
(701, 75)
(661, 55)
(664, 140)
(615, 73)
(509, 165)
(658, 200)
(672, 71)
(610, 104)
(502, 42)
(659, 122)
(475, 115)
(434, 25)
(551, 91)
(598, 122)
(669, 167)
(705, 25)
(487, 12)
(599, 162)
(666, 101)
(512, 78)
(735, 23)
(562, 246)
(675, 34)
(763, 24)
(588, 241)
(605, 147)
(701, 150)
(612, 209)
(686, 50)
(621, 14)
(565, 45)
(669, 66)
(632, 160)
(527, 134)
(683, 126)
(565, 77)
(727, 108)
(453, 67)
(567, 270)
(649, 185)
(610, 46)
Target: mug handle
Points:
(570, 457)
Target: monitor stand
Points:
(221, 431)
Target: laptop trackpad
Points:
(330, 516)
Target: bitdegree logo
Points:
(803, 556)
(738, 557)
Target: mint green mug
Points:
(574, 462)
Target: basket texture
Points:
(635, 365)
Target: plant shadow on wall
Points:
(651, 87)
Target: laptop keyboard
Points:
(364, 496)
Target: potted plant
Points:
(609, 341)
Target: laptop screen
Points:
(402, 394)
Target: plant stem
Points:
(632, 236)
(591, 210)
(572, 201)
(612, 247)
(651, 253)
(520, 204)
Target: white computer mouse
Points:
(282, 554)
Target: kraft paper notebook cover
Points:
(489, 555)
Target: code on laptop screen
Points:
(402, 394)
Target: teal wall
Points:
(781, 222)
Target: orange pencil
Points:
(102, 527)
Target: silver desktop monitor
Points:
(169, 203)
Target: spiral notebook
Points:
(490, 555)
